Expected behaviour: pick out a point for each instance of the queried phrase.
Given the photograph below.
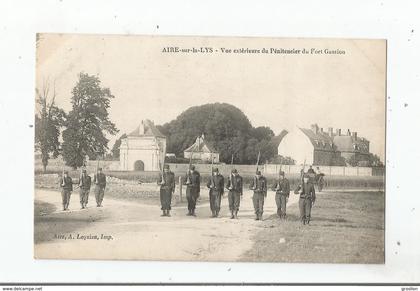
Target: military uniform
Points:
(234, 185)
(216, 184)
(306, 199)
(192, 180)
(259, 185)
(167, 188)
(84, 184)
(100, 183)
(282, 188)
(66, 184)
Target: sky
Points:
(282, 91)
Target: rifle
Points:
(278, 183)
(258, 159)
(255, 177)
(189, 165)
(211, 171)
(231, 175)
(303, 170)
(62, 177)
(96, 171)
(81, 172)
(162, 164)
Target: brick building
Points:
(325, 148)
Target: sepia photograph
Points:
(212, 149)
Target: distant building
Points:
(324, 148)
(143, 149)
(202, 150)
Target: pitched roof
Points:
(320, 140)
(201, 145)
(146, 128)
(323, 141)
(348, 143)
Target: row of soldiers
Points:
(234, 185)
(84, 184)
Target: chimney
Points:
(330, 131)
(141, 128)
(338, 131)
(354, 134)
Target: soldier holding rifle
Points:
(192, 180)
(84, 185)
(167, 188)
(282, 188)
(259, 185)
(306, 190)
(66, 185)
(100, 183)
(234, 185)
(216, 184)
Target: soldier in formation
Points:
(311, 170)
(84, 187)
(234, 185)
(167, 188)
(66, 185)
(282, 188)
(259, 185)
(216, 185)
(192, 180)
(319, 179)
(306, 190)
(100, 183)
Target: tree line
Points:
(226, 128)
(83, 129)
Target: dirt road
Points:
(131, 230)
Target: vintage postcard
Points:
(210, 149)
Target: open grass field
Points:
(346, 227)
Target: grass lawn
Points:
(346, 227)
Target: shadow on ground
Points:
(49, 223)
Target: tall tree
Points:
(87, 122)
(48, 121)
(226, 128)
